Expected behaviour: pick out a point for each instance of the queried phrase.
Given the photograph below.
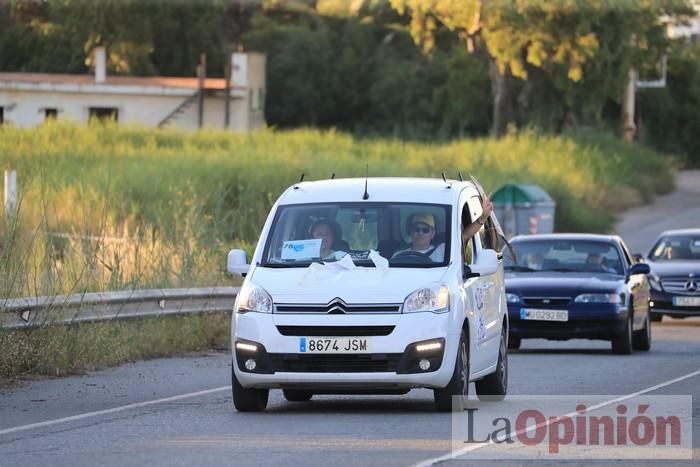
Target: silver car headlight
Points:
(655, 284)
(512, 298)
(435, 298)
(252, 297)
(599, 298)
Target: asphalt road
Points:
(178, 411)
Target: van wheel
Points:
(459, 383)
(622, 344)
(295, 395)
(514, 342)
(657, 317)
(642, 338)
(247, 399)
(495, 386)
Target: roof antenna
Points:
(301, 179)
(366, 195)
(461, 179)
(332, 175)
(444, 179)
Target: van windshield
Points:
(406, 234)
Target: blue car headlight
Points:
(599, 298)
(512, 298)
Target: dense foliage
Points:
(419, 69)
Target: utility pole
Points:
(201, 78)
(227, 94)
(629, 127)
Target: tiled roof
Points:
(150, 81)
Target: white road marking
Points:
(110, 411)
(461, 452)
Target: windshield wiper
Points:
(519, 268)
(284, 265)
(563, 270)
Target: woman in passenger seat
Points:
(329, 232)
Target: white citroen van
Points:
(366, 286)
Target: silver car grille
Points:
(681, 285)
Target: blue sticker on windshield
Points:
(302, 344)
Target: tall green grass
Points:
(152, 208)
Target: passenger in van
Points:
(421, 228)
(471, 229)
(329, 232)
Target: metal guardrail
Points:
(68, 309)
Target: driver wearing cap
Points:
(421, 228)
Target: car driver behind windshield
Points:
(421, 228)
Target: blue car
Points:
(573, 286)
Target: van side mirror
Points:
(486, 264)
(236, 263)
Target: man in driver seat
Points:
(421, 228)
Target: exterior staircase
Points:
(178, 110)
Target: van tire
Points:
(641, 340)
(296, 395)
(494, 387)
(247, 399)
(459, 383)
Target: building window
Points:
(50, 114)
(104, 113)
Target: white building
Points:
(27, 99)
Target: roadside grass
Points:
(65, 350)
(112, 208)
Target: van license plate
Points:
(544, 315)
(334, 345)
(686, 301)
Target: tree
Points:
(561, 38)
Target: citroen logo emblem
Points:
(691, 286)
(546, 300)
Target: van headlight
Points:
(252, 297)
(599, 298)
(435, 298)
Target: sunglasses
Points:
(418, 229)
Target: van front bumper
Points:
(393, 363)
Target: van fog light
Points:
(651, 304)
(250, 364)
(424, 364)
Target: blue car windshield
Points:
(565, 256)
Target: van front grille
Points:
(335, 330)
(344, 363)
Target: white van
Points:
(342, 295)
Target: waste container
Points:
(524, 209)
